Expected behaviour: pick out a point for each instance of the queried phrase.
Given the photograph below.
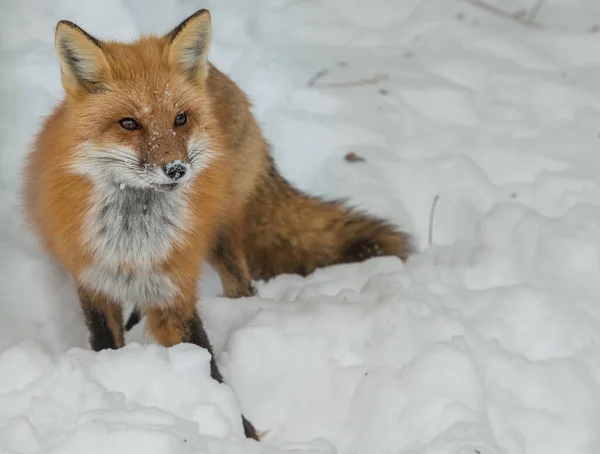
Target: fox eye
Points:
(180, 119)
(130, 124)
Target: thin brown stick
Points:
(503, 14)
(534, 11)
(357, 83)
(431, 216)
(318, 75)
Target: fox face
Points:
(139, 111)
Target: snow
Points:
(486, 341)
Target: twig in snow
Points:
(431, 216)
(503, 14)
(317, 76)
(357, 83)
(533, 12)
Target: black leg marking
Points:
(101, 338)
(196, 334)
(134, 319)
(103, 319)
(249, 430)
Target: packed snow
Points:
(476, 129)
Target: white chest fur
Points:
(130, 231)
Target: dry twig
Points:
(317, 76)
(431, 216)
(357, 83)
(503, 14)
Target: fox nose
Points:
(175, 170)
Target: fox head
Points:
(138, 110)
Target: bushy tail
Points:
(291, 232)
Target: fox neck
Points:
(133, 225)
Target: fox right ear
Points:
(82, 60)
(189, 43)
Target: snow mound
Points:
(144, 399)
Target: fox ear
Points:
(189, 43)
(82, 60)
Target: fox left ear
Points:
(189, 43)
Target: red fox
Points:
(152, 164)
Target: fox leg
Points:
(180, 323)
(104, 319)
(229, 259)
(174, 325)
(232, 271)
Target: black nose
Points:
(175, 170)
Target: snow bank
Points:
(137, 399)
(486, 342)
